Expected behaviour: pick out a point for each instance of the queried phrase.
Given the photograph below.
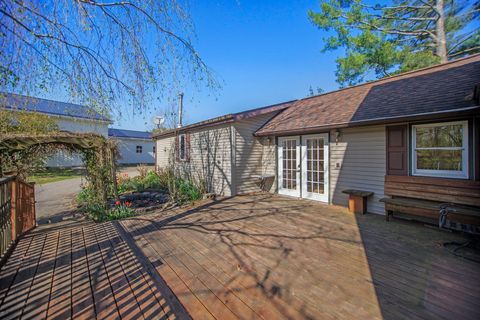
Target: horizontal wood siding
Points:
(358, 161)
(254, 157)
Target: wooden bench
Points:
(357, 201)
(425, 197)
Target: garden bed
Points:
(147, 192)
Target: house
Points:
(422, 124)
(135, 147)
(70, 117)
(222, 152)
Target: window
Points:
(182, 147)
(139, 149)
(440, 149)
(153, 149)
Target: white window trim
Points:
(180, 147)
(441, 173)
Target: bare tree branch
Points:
(106, 53)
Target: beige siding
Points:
(357, 161)
(210, 157)
(163, 149)
(254, 157)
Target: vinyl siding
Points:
(77, 125)
(127, 148)
(163, 147)
(360, 155)
(254, 157)
(210, 157)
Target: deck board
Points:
(246, 257)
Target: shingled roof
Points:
(227, 118)
(32, 104)
(443, 88)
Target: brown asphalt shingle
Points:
(443, 87)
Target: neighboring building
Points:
(71, 117)
(423, 123)
(135, 147)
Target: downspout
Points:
(233, 160)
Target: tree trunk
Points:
(441, 49)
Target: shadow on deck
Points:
(258, 256)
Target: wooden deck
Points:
(247, 257)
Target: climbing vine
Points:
(99, 155)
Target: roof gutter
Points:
(226, 119)
(383, 120)
(208, 123)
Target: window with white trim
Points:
(440, 149)
(139, 149)
(182, 147)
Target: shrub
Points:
(149, 180)
(126, 185)
(120, 211)
(142, 170)
(95, 211)
(85, 196)
(153, 181)
(99, 213)
(187, 191)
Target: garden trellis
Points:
(99, 155)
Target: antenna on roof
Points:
(158, 121)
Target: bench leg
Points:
(388, 213)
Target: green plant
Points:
(85, 196)
(126, 185)
(96, 211)
(153, 181)
(120, 211)
(100, 213)
(149, 180)
(187, 191)
(142, 170)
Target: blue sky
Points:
(263, 52)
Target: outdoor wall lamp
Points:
(338, 133)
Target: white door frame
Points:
(326, 186)
(289, 192)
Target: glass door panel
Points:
(315, 167)
(289, 166)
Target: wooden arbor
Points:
(99, 155)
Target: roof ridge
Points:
(264, 107)
(128, 130)
(22, 102)
(473, 56)
(56, 101)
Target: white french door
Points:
(289, 166)
(303, 166)
(315, 167)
